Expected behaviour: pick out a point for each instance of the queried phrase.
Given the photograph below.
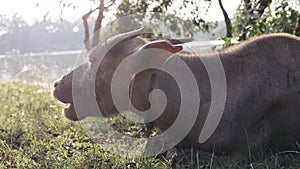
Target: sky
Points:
(35, 10)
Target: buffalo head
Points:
(93, 79)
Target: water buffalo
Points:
(263, 90)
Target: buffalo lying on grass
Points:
(262, 90)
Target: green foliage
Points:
(286, 19)
(182, 21)
(227, 42)
(282, 18)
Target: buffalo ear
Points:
(167, 49)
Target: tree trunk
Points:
(227, 21)
(86, 41)
(263, 5)
(98, 23)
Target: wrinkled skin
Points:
(263, 92)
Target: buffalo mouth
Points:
(69, 110)
(70, 113)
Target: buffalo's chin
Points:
(70, 113)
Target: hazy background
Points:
(40, 42)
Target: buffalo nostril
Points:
(56, 84)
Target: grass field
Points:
(34, 135)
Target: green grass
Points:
(33, 134)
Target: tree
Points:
(227, 21)
(186, 27)
(182, 21)
(255, 10)
(186, 24)
(256, 17)
(103, 6)
(253, 17)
